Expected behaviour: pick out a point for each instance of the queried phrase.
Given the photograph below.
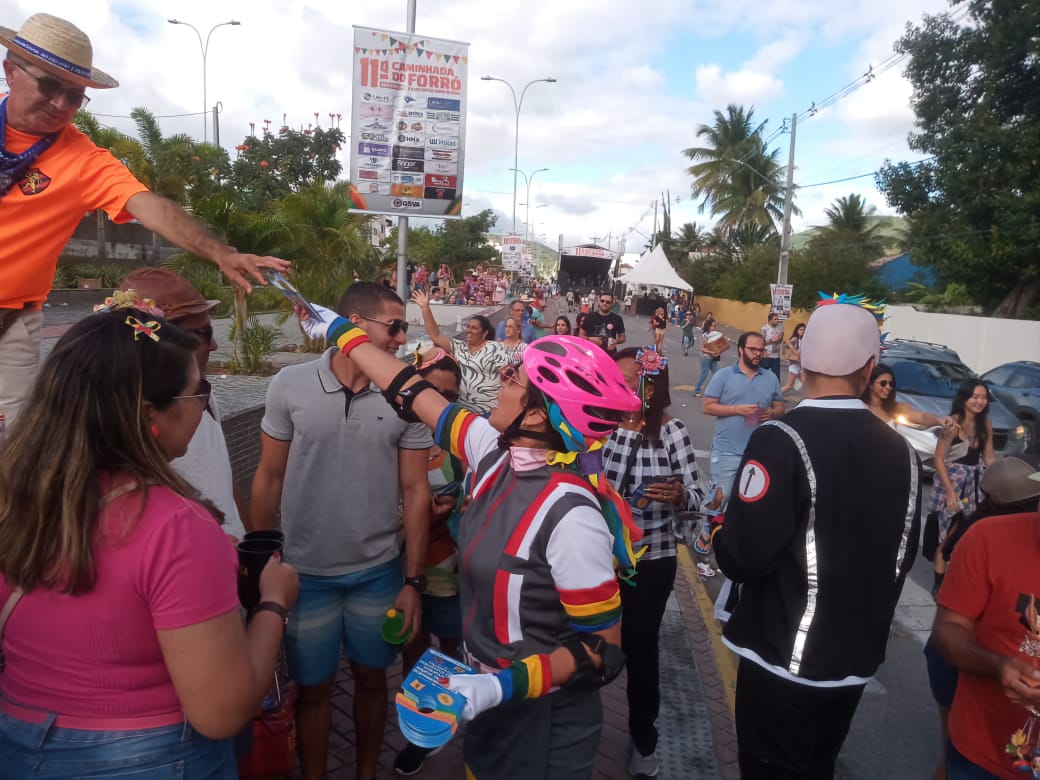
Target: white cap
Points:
(839, 339)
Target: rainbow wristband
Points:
(527, 678)
(346, 335)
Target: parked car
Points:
(1017, 385)
(927, 378)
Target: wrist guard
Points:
(346, 335)
(407, 395)
(527, 678)
(586, 676)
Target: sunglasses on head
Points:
(51, 88)
(393, 327)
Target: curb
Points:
(716, 665)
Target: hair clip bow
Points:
(650, 361)
(144, 328)
(128, 299)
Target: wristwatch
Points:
(275, 607)
(419, 583)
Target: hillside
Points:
(892, 230)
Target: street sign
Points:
(781, 299)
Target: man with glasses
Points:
(337, 462)
(51, 174)
(603, 327)
(740, 396)
(207, 463)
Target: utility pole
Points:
(785, 236)
(402, 222)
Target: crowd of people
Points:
(517, 494)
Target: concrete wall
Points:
(981, 342)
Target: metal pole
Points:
(516, 147)
(402, 222)
(785, 236)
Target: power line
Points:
(157, 116)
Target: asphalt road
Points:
(895, 733)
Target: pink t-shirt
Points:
(96, 654)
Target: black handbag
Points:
(930, 539)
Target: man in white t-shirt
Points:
(206, 464)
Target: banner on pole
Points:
(407, 124)
(781, 298)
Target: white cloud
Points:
(610, 130)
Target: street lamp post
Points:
(517, 105)
(527, 188)
(204, 47)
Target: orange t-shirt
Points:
(994, 575)
(41, 211)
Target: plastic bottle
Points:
(393, 632)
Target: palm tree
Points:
(735, 175)
(691, 238)
(852, 220)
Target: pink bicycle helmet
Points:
(582, 380)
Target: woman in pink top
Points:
(126, 655)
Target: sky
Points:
(634, 82)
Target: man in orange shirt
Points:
(987, 625)
(51, 174)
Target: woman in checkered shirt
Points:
(650, 460)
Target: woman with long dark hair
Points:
(650, 461)
(562, 326)
(125, 650)
(880, 398)
(963, 451)
(536, 548)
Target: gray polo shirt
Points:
(732, 388)
(342, 492)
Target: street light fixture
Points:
(517, 105)
(527, 184)
(205, 50)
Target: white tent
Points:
(655, 270)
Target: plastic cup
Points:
(274, 535)
(392, 630)
(253, 555)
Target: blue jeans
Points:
(708, 367)
(42, 751)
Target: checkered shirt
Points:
(675, 456)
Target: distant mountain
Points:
(892, 231)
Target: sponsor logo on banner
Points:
(375, 188)
(406, 190)
(375, 150)
(443, 142)
(374, 162)
(370, 174)
(409, 139)
(415, 127)
(375, 124)
(409, 113)
(444, 116)
(443, 104)
(434, 180)
(406, 178)
(439, 193)
(437, 166)
(382, 138)
(409, 152)
(406, 203)
(374, 109)
(442, 128)
(374, 97)
(407, 165)
(442, 154)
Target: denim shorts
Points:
(42, 751)
(341, 613)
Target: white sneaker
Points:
(643, 766)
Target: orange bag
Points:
(274, 737)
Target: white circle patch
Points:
(753, 481)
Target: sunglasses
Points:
(203, 393)
(511, 373)
(393, 326)
(51, 88)
(886, 383)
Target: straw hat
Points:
(58, 47)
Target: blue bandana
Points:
(14, 166)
